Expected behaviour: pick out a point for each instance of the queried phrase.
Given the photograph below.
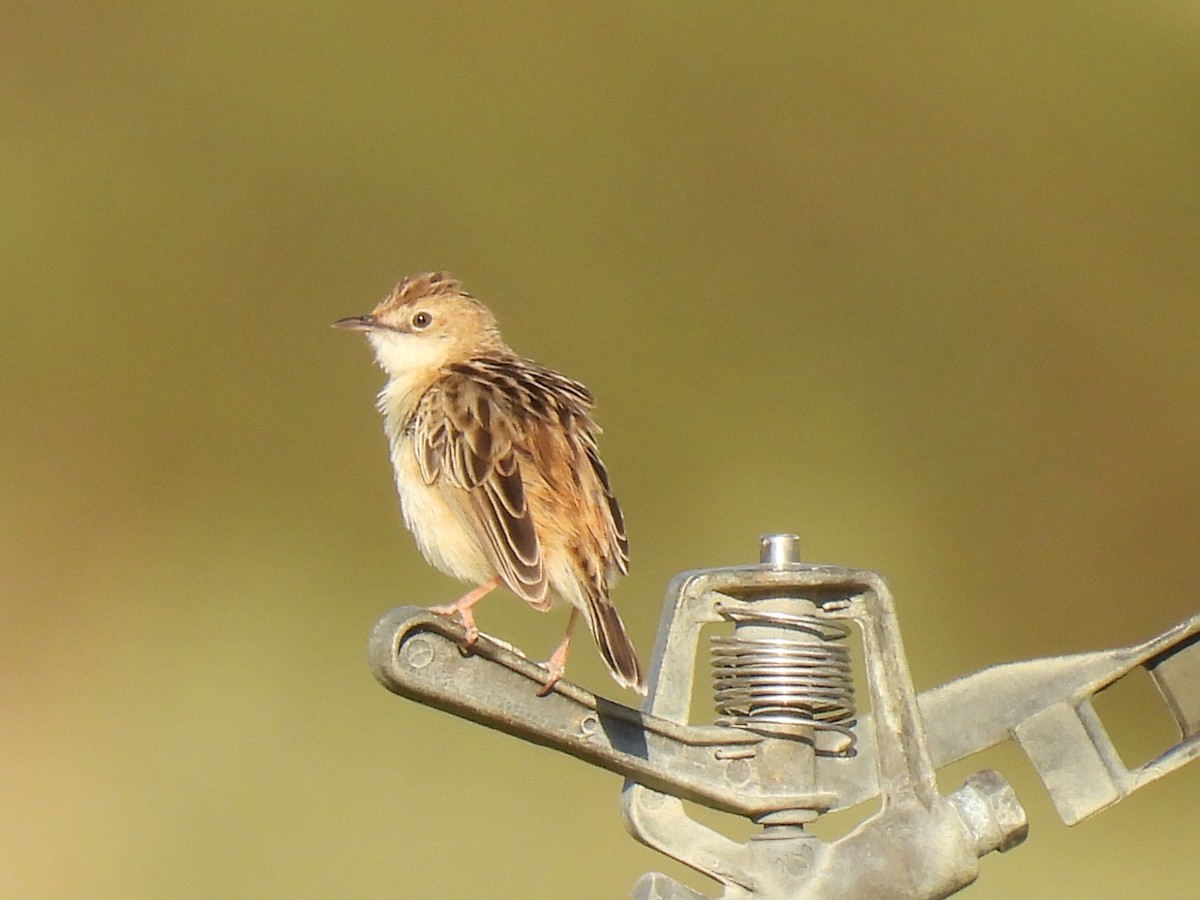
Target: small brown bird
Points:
(497, 467)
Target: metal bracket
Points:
(918, 844)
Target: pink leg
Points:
(557, 663)
(462, 608)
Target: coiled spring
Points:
(792, 679)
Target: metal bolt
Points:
(989, 808)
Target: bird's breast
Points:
(436, 518)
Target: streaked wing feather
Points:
(462, 437)
(618, 541)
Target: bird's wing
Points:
(557, 439)
(492, 424)
(466, 435)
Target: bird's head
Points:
(426, 323)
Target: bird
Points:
(497, 467)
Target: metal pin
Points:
(779, 549)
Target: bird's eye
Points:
(422, 320)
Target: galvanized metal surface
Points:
(784, 766)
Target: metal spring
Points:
(786, 686)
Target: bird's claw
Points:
(550, 682)
(465, 618)
(555, 666)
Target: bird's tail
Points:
(615, 646)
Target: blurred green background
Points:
(918, 283)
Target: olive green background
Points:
(919, 283)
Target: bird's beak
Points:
(357, 323)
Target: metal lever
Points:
(1045, 705)
(417, 654)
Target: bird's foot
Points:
(555, 666)
(462, 608)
